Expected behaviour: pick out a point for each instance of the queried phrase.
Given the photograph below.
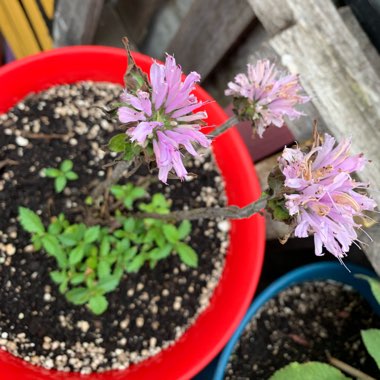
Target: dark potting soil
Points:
(150, 309)
(301, 324)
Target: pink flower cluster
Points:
(269, 97)
(321, 194)
(164, 117)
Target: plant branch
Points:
(228, 212)
(357, 374)
(233, 120)
(122, 169)
(46, 136)
(7, 162)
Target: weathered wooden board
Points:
(208, 31)
(76, 21)
(137, 16)
(111, 29)
(365, 44)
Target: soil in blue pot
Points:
(303, 323)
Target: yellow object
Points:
(24, 27)
(38, 24)
(48, 6)
(7, 29)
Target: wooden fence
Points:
(339, 67)
(25, 25)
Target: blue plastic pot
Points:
(321, 271)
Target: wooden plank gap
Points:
(208, 31)
(48, 6)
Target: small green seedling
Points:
(91, 260)
(61, 175)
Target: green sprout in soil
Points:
(92, 260)
(62, 175)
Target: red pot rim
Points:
(212, 329)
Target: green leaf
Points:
(90, 281)
(68, 240)
(78, 278)
(129, 254)
(150, 236)
(92, 262)
(37, 243)
(117, 143)
(91, 234)
(134, 78)
(88, 201)
(279, 211)
(111, 258)
(123, 245)
(184, 229)
(55, 228)
(60, 183)
(117, 191)
(138, 78)
(118, 273)
(374, 285)
(78, 296)
(159, 200)
(30, 221)
(187, 254)
(171, 233)
(130, 151)
(104, 269)
(58, 277)
(53, 248)
(92, 250)
(61, 218)
(51, 244)
(119, 234)
(72, 176)
(78, 231)
(76, 255)
(128, 203)
(138, 192)
(308, 371)
(135, 265)
(66, 166)
(52, 173)
(105, 246)
(161, 253)
(371, 339)
(61, 258)
(98, 304)
(63, 287)
(129, 225)
(108, 284)
(160, 240)
(158, 204)
(127, 193)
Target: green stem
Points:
(233, 120)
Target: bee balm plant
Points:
(126, 227)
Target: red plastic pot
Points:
(203, 340)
